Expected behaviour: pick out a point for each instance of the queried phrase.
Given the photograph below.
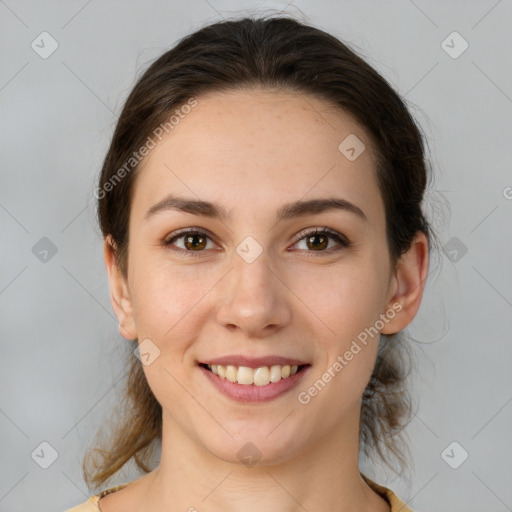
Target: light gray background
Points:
(60, 346)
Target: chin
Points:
(256, 446)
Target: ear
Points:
(120, 297)
(408, 285)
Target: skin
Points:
(252, 151)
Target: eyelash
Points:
(338, 237)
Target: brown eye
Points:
(322, 241)
(317, 242)
(193, 242)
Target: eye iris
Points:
(322, 245)
(192, 239)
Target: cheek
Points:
(168, 308)
(345, 299)
(168, 299)
(347, 302)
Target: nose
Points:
(253, 299)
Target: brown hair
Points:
(284, 54)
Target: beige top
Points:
(396, 504)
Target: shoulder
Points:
(91, 505)
(396, 504)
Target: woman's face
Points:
(257, 288)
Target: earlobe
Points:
(120, 297)
(409, 284)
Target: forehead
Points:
(260, 148)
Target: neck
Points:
(324, 475)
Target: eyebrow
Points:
(287, 211)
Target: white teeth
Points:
(245, 375)
(258, 376)
(275, 373)
(261, 376)
(231, 373)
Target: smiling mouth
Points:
(254, 376)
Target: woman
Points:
(261, 207)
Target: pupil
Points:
(320, 245)
(193, 241)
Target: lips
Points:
(254, 379)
